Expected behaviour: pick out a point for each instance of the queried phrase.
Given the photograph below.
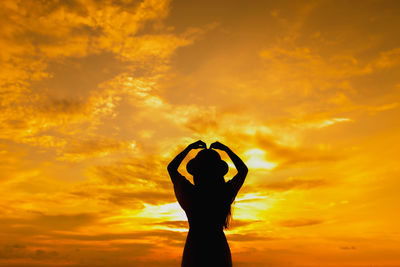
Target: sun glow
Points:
(253, 206)
(256, 160)
(169, 211)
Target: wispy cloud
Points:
(300, 222)
(296, 183)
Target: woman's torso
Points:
(206, 244)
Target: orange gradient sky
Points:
(97, 97)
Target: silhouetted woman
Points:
(207, 203)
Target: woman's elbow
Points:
(244, 170)
(171, 167)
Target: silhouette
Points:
(207, 203)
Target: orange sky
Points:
(97, 97)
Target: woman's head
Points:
(207, 163)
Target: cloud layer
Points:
(96, 97)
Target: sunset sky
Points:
(97, 97)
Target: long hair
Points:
(209, 169)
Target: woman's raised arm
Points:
(176, 162)
(239, 164)
(237, 181)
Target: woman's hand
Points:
(198, 144)
(218, 145)
(174, 164)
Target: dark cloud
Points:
(300, 222)
(79, 254)
(249, 237)
(123, 174)
(44, 254)
(38, 223)
(64, 221)
(142, 235)
(142, 171)
(93, 146)
(130, 198)
(19, 251)
(153, 197)
(348, 248)
(15, 124)
(74, 78)
(241, 223)
(202, 122)
(174, 224)
(129, 182)
(13, 251)
(62, 106)
(36, 247)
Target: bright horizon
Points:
(97, 97)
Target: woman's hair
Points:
(209, 163)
